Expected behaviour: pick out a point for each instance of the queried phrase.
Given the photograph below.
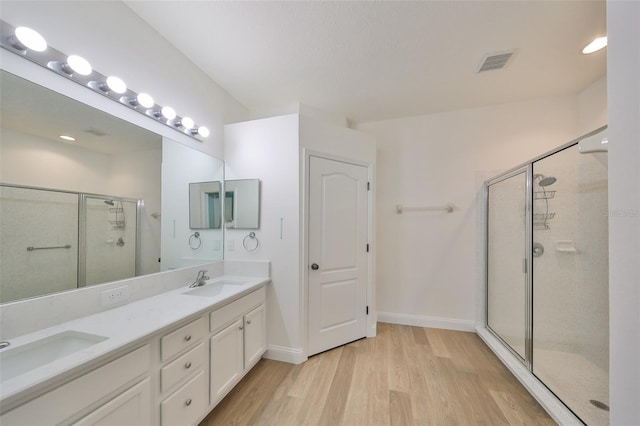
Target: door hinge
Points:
(367, 310)
(367, 247)
(368, 186)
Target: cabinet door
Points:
(132, 407)
(255, 339)
(226, 359)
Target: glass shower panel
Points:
(38, 242)
(506, 251)
(110, 240)
(570, 280)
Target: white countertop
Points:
(123, 326)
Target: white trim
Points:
(423, 321)
(281, 353)
(556, 409)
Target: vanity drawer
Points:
(228, 313)
(175, 342)
(187, 404)
(177, 370)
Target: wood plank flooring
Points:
(404, 376)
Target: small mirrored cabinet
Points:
(242, 204)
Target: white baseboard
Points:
(281, 353)
(423, 321)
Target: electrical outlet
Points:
(116, 295)
(231, 246)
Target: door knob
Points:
(314, 266)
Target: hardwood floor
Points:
(404, 376)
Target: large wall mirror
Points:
(111, 204)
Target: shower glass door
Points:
(570, 280)
(506, 254)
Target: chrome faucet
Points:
(201, 279)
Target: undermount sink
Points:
(24, 358)
(213, 289)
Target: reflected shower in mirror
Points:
(242, 204)
(106, 156)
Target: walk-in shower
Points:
(547, 273)
(52, 240)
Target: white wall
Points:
(623, 62)
(116, 41)
(267, 149)
(427, 266)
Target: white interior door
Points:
(338, 229)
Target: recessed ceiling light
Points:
(67, 138)
(595, 45)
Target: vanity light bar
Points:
(78, 69)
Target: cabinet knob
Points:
(187, 402)
(188, 364)
(241, 327)
(248, 321)
(315, 266)
(187, 337)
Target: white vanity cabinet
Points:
(238, 341)
(183, 374)
(175, 376)
(117, 390)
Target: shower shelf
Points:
(544, 195)
(541, 217)
(541, 226)
(117, 224)
(116, 210)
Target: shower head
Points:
(545, 181)
(109, 202)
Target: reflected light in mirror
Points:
(67, 138)
(595, 45)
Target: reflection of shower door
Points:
(110, 240)
(506, 260)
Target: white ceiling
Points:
(373, 60)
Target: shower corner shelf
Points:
(544, 195)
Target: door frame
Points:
(304, 242)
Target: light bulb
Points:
(31, 39)
(168, 113)
(203, 131)
(116, 84)
(595, 45)
(145, 100)
(188, 123)
(79, 65)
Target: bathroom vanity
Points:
(167, 359)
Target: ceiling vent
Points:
(495, 61)
(95, 132)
